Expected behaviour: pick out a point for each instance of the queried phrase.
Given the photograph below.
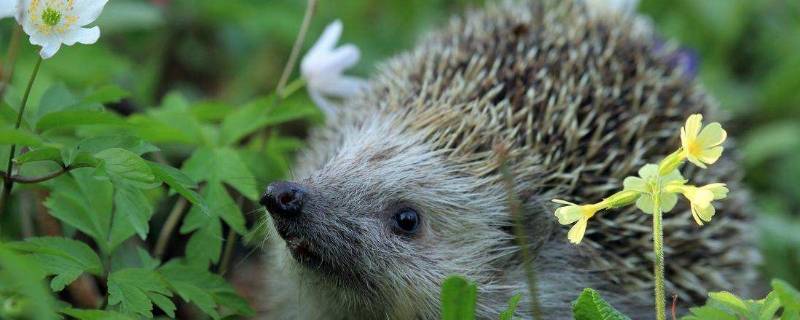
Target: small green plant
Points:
(655, 192)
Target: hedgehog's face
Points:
(383, 217)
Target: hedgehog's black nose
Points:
(284, 199)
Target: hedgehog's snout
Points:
(284, 199)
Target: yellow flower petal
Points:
(710, 156)
(719, 190)
(569, 214)
(693, 124)
(712, 135)
(701, 214)
(575, 234)
(694, 160)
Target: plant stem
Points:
(658, 250)
(166, 231)
(298, 44)
(227, 254)
(8, 183)
(11, 57)
(515, 208)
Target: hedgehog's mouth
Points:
(302, 251)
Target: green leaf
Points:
(222, 164)
(56, 98)
(590, 306)
(91, 314)
(131, 143)
(508, 314)
(221, 205)
(203, 288)
(458, 298)
(25, 276)
(179, 182)
(73, 118)
(40, 154)
(123, 165)
(65, 258)
(205, 244)
(730, 300)
(83, 202)
(105, 94)
(19, 137)
(133, 289)
(256, 115)
(789, 298)
(131, 204)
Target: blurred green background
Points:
(234, 51)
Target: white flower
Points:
(322, 69)
(8, 8)
(49, 23)
(604, 7)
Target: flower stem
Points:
(298, 44)
(291, 88)
(658, 250)
(166, 231)
(9, 183)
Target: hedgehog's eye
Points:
(406, 221)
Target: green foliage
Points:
(508, 314)
(782, 303)
(590, 305)
(105, 182)
(458, 298)
(65, 258)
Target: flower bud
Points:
(670, 163)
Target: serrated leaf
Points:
(458, 298)
(131, 143)
(40, 154)
(508, 314)
(131, 204)
(180, 182)
(19, 137)
(203, 288)
(256, 115)
(73, 118)
(221, 205)
(132, 289)
(590, 306)
(205, 244)
(83, 202)
(92, 314)
(65, 258)
(123, 165)
(222, 164)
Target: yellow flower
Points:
(649, 184)
(578, 214)
(702, 145)
(700, 199)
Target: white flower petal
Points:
(8, 8)
(49, 49)
(88, 11)
(82, 35)
(342, 87)
(339, 59)
(328, 38)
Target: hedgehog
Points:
(402, 188)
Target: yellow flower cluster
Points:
(657, 186)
